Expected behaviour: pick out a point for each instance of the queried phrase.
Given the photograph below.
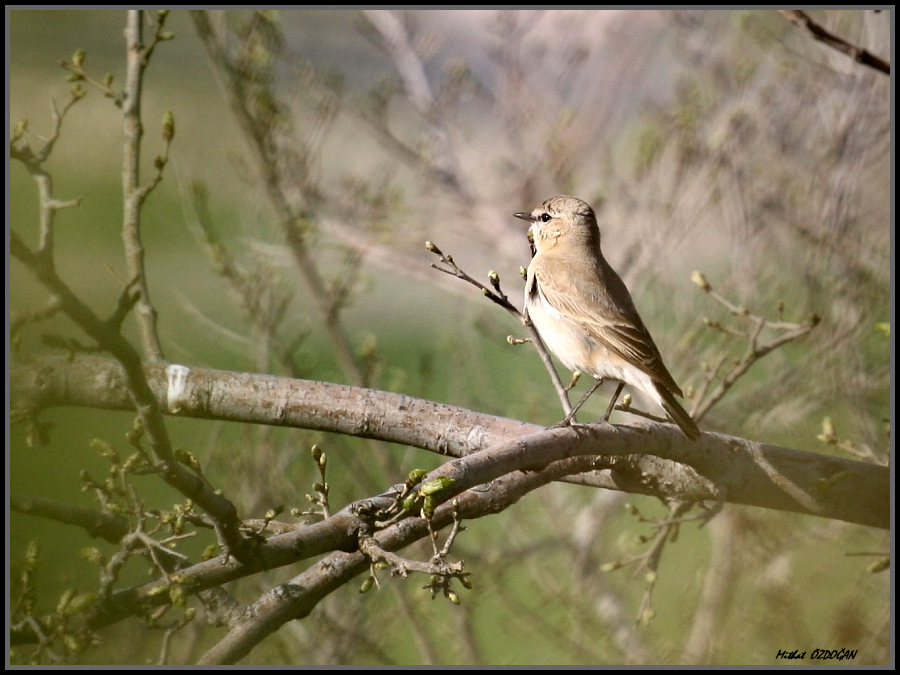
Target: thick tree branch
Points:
(718, 467)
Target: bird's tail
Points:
(678, 414)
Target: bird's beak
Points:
(531, 219)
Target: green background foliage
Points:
(721, 141)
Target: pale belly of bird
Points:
(579, 351)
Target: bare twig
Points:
(498, 297)
(401, 566)
(33, 160)
(704, 401)
(864, 451)
(820, 33)
(291, 192)
(441, 162)
(263, 301)
(133, 192)
(647, 563)
(108, 526)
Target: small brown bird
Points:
(584, 313)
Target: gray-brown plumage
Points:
(585, 314)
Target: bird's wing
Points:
(577, 296)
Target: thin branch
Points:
(134, 193)
(108, 526)
(647, 562)
(756, 347)
(800, 18)
(140, 395)
(498, 297)
(262, 301)
(294, 202)
(33, 160)
(403, 566)
(441, 162)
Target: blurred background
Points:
(723, 141)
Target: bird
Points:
(583, 311)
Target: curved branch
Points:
(660, 462)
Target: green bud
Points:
(157, 590)
(700, 280)
(80, 603)
(64, 600)
(415, 476)
(188, 459)
(828, 435)
(93, 555)
(177, 595)
(168, 126)
(428, 507)
(435, 485)
(73, 643)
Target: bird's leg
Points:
(612, 403)
(568, 418)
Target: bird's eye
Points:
(545, 217)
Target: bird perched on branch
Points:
(584, 313)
